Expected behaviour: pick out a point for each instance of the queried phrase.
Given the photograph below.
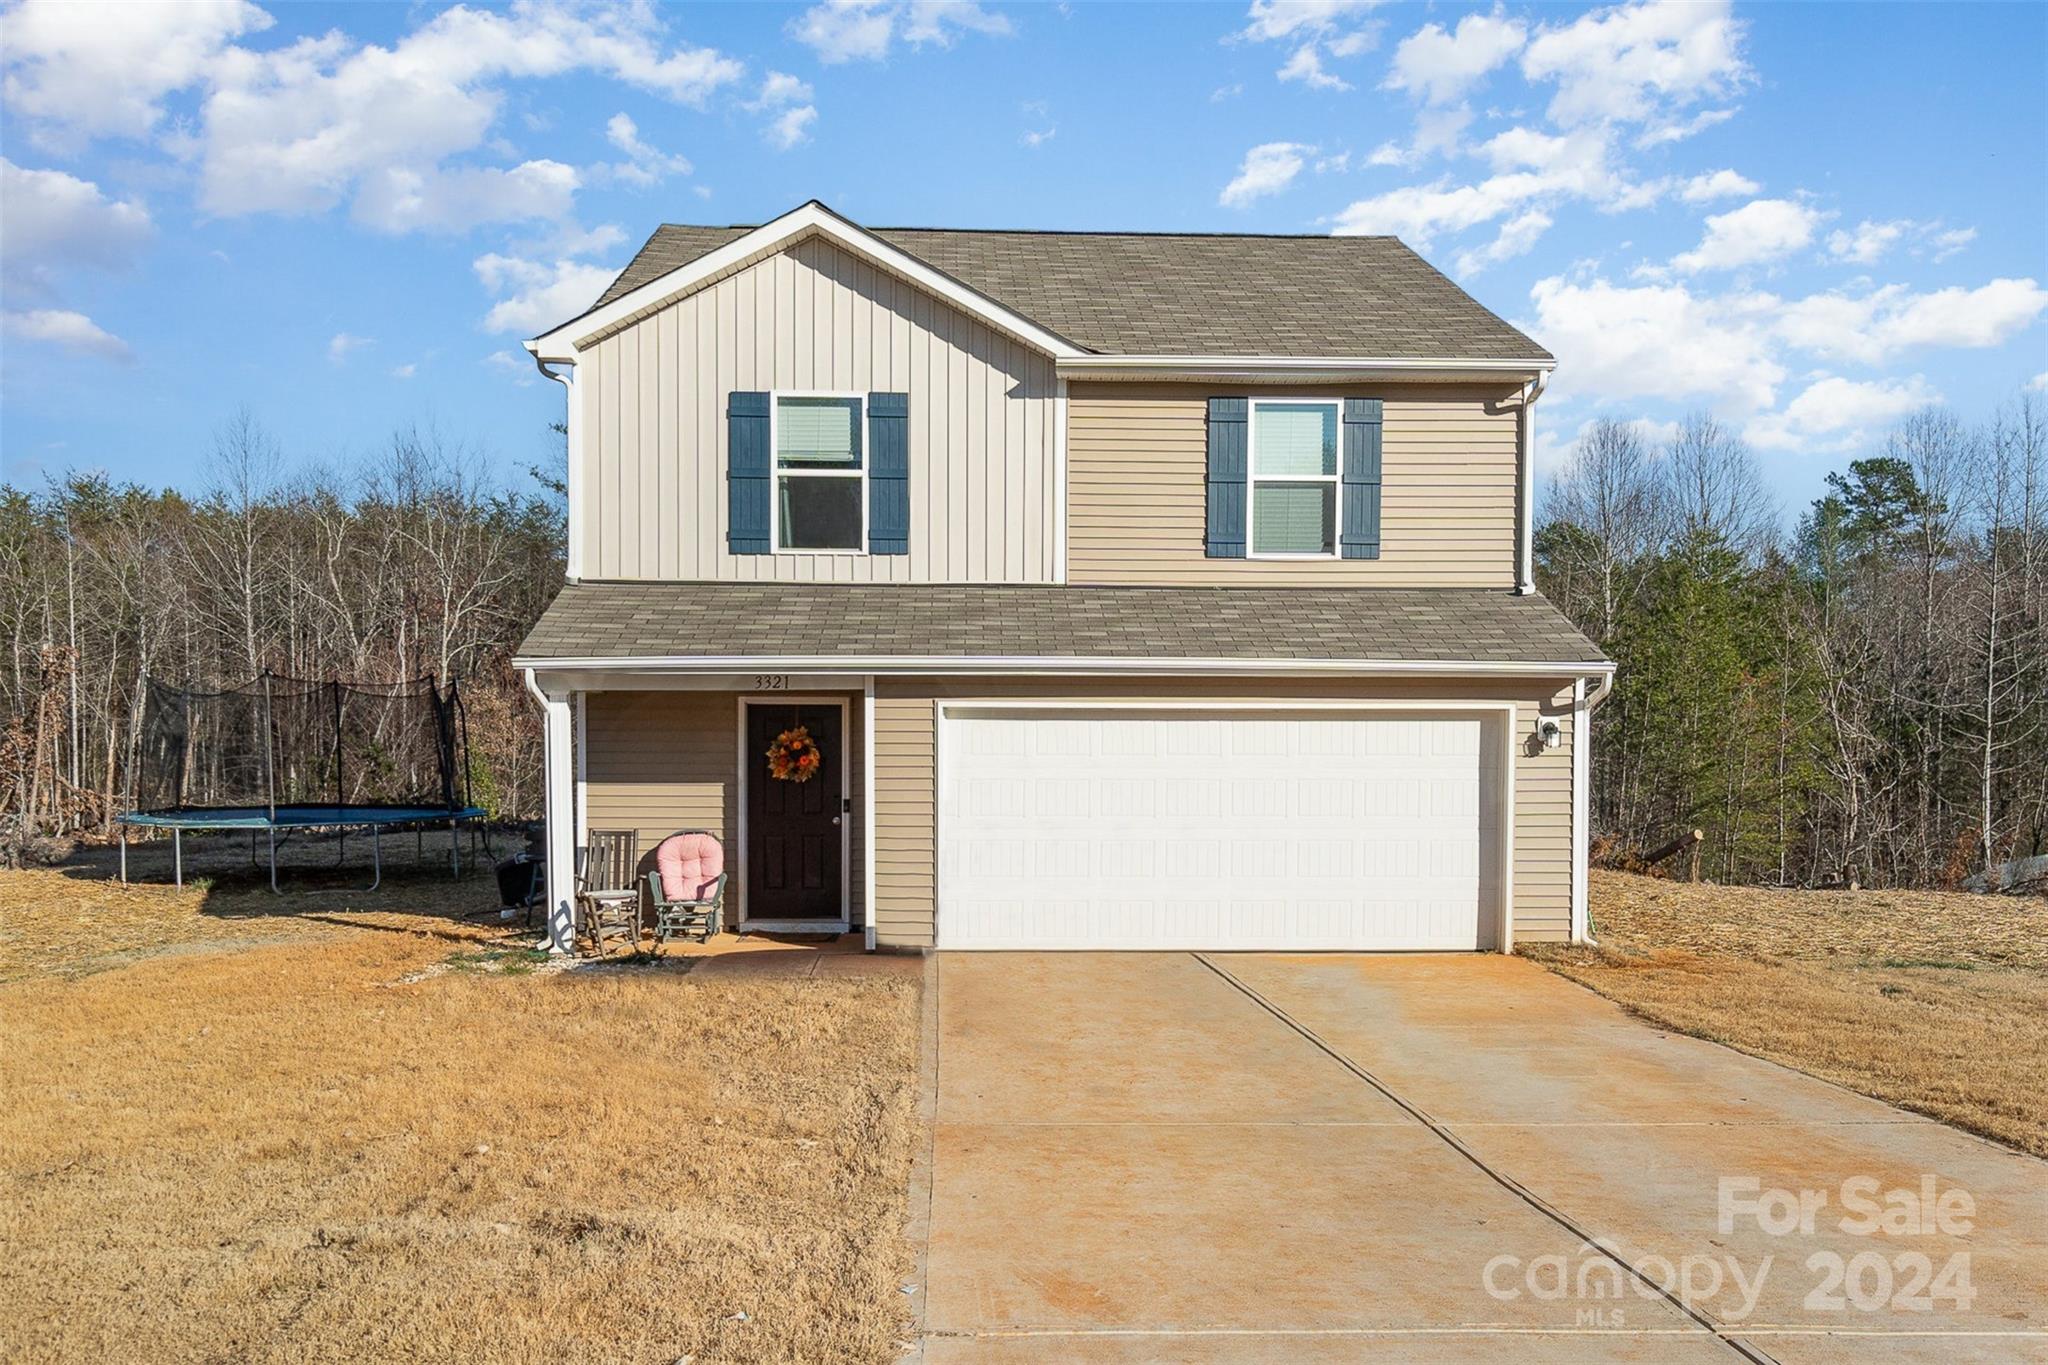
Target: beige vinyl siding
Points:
(1137, 492)
(657, 762)
(905, 722)
(906, 850)
(652, 500)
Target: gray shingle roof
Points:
(1138, 293)
(844, 621)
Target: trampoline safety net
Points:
(279, 741)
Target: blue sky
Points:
(1807, 219)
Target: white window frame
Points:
(776, 473)
(1252, 477)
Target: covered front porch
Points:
(654, 753)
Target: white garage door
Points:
(1228, 830)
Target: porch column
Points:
(559, 785)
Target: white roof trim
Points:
(810, 220)
(1271, 367)
(1026, 664)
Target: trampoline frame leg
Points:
(272, 831)
(454, 849)
(177, 857)
(124, 853)
(376, 857)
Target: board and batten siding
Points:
(652, 498)
(1137, 457)
(657, 762)
(906, 815)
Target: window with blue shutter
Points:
(748, 474)
(1361, 483)
(1227, 430)
(889, 473)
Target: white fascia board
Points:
(1299, 369)
(942, 665)
(810, 220)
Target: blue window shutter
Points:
(1360, 495)
(888, 473)
(1227, 432)
(749, 474)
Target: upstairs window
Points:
(820, 477)
(1292, 509)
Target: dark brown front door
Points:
(793, 828)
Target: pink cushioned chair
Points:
(687, 886)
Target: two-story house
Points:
(1136, 590)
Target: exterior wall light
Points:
(1548, 732)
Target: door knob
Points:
(835, 819)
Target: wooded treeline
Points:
(1863, 700)
(413, 564)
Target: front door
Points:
(793, 828)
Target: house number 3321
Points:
(771, 682)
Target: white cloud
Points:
(345, 344)
(1226, 92)
(1667, 131)
(791, 127)
(1515, 238)
(1268, 20)
(1835, 413)
(934, 21)
(1306, 66)
(326, 120)
(864, 30)
(1658, 341)
(781, 88)
(405, 371)
(73, 331)
(1872, 328)
(534, 296)
(1037, 137)
(1760, 231)
(1440, 66)
(1868, 243)
(1268, 169)
(2039, 383)
(1724, 184)
(1534, 169)
(1948, 242)
(1871, 241)
(516, 366)
(80, 71)
(57, 222)
(1632, 61)
(400, 199)
(1315, 28)
(645, 165)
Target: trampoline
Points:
(286, 755)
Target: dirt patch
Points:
(292, 1151)
(1928, 1000)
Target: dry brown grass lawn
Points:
(238, 1129)
(1930, 1000)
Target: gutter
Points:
(1270, 367)
(943, 665)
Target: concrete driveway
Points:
(1247, 1157)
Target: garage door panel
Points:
(1217, 830)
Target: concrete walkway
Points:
(1240, 1157)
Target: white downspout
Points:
(1525, 483)
(1583, 705)
(558, 786)
(573, 421)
